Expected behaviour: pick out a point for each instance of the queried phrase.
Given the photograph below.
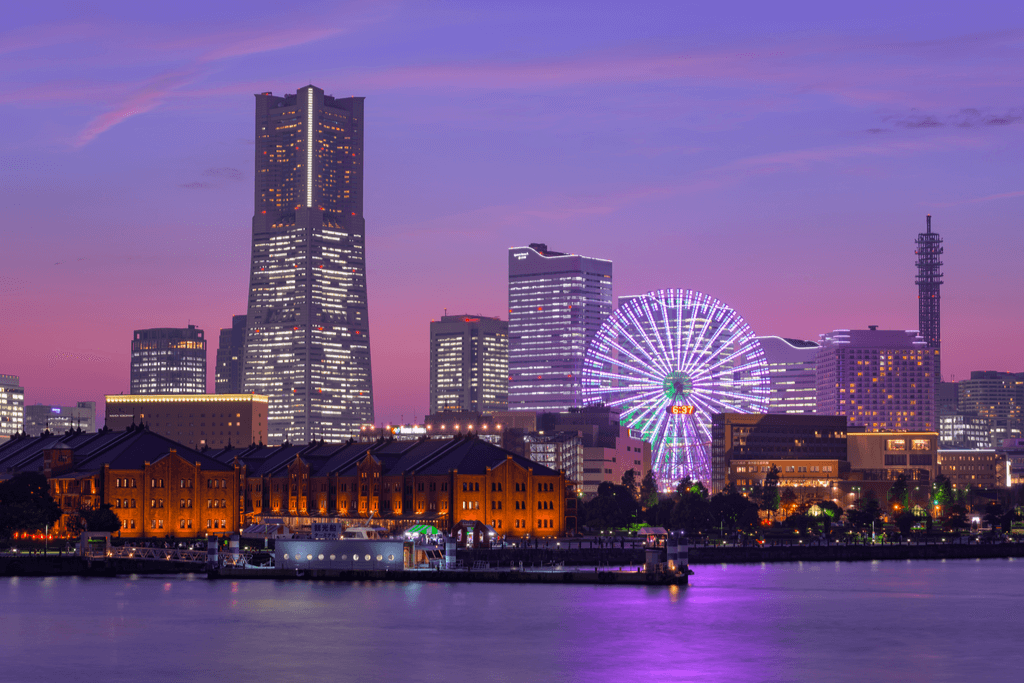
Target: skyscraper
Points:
(791, 371)
(230, 357)
(308, 335)
(468, 364)
(929, 279)
(168, 360)
(882, 380)
(556, 304)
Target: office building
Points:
(12, 406)
(882, 380)
(468, 364)
(557, 302)
(958, 430)
(929, 281)
(60, 419)
(791, 373)
(230, 357)
(198, 421)
(975, 468)
(168, 360)
(308, 332)
(808, 450)
(997, 396)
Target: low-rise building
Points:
(60, 419)
(401, 483)
(974, 468)
(758, 441)
(197, 420)
(885, 456)
(158, 488)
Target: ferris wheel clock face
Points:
(669, 360)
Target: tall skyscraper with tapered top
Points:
(308, 334)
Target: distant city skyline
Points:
(784, 165)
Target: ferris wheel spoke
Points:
(640, 329)
(639, 366)
(704, 346)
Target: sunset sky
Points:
(778, 156)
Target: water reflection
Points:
(925, 621)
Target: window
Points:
(895, 444)
(919, 444)
(133, 502)
(476, 486)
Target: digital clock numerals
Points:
(681, 410)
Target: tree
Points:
(788, 499)
(899, 493)
(102, 519)
(631, 484)
(905, 521)
(613, 507)
(731, 509)
(942, 491)
(769, 497)
(691, 512)
(648, 491)
(864, 513)
(687, 485)
(26, 504)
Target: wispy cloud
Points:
(987, 198)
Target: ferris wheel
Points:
(669, 360)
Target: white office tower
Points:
(791, 372)
(557, 303)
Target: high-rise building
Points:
(791, 373)
(230, 357)
(168, 360)
(468, 364)
(882, 380)
(60, 419)
(991, 394)
(12, 406)
(557, 302)
(929, 280)
(308, 334)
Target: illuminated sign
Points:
(681, 410)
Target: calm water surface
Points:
(909, 621)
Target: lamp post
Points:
(46, 539)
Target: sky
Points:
(780, 157)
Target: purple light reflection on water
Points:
(922, 621)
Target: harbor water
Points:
(954, 620)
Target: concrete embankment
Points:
(624, 557)
(464, 576)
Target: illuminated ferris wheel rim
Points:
(668, 360)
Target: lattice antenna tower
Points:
(929, 279)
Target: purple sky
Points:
(780, 157)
